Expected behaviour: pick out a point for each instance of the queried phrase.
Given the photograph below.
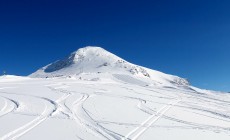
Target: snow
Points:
(97, 60)
(81, 97)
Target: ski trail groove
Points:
(79, 114)
(145, 125)
(5, 106)
(9, 106)
(32, 124)
(61, 102)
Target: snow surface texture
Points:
(95, 95)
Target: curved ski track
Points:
(91, 125)
(38, 120)
(9, 106)
(30, 125)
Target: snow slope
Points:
(114, 104)
(97, 60)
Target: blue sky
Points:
(188, 38)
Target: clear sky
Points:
(188, 38)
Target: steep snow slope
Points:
(98, 60)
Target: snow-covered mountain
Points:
(96, 95)
(98, 60)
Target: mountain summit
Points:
(96, 60)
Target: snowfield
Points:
(94, 94)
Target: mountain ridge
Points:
(93, 59)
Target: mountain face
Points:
(96, 60)
(95, 95)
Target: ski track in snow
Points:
(146, 124)
(77, 112)
(9, 106)
(56, 105)
(82, 117)
(61, 102)
(142, 107)
(38, 120)
(79, 115)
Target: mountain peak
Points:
(95, 60)
(89, 58)
(89, 48)
(93, 52)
